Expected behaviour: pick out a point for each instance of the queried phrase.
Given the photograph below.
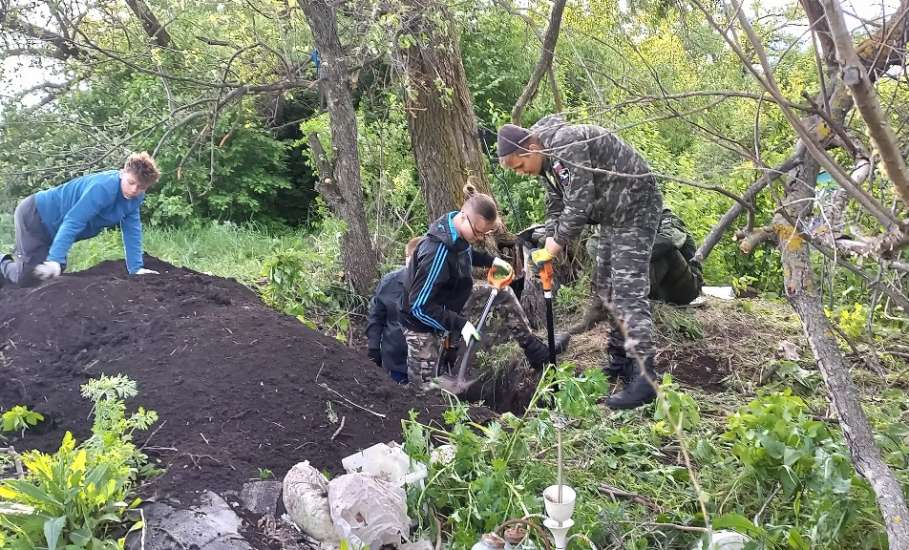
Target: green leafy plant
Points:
(781, 445)
(852, 320)
(306, 281)
(77, 497)
(674, 410)
(265, 474)
(19, 419)
(494, 471)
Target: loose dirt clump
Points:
(237, 386)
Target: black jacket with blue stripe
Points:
(439, 280)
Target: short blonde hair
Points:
(144, 167)
(484, 206)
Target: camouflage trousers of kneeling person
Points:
(505, 322)
(422, 355)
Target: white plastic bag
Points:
(306, 500)
(368, 511)
(386, 462)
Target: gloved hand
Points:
(47, 270)
(540, 256)
(143, 271)
(469, 331)
(503, 268)
(553, 247)
(375, 355)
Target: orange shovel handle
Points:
(497, 279)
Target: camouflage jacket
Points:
(593, 177)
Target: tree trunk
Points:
(340, 178)
(801, 290)
(443, 128)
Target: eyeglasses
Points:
(474, 229)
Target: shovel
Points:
(544, 261)
(461, 384)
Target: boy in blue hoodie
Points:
(49, 222)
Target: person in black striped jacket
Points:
(439, 282)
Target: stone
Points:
(261, 497)
(210, 524)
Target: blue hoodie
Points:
(79, 209)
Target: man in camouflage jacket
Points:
(592, 177)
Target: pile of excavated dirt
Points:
(237, 386)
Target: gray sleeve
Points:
(580, 192)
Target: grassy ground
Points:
(637, 489)
(745, 403)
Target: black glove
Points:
(375, 356)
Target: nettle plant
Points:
(77, 497)
(483, 475)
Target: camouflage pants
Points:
(623, 283)
(422, 355)
(507, 320)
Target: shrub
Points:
(76, 497)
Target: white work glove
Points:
(143, 271)
(47, 270)
(502, 265)
(469, 331)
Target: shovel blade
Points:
(454, 385)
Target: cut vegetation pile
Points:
(237, 386)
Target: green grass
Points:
(222, 249)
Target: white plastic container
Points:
(722, 540)
(559, 511)
(559, 531)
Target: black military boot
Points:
(618, 366)
(536, 351)
(637, 391)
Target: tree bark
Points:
(340, 178)
(801, 290)
(544, 64)
(150, 23)
(443, 128)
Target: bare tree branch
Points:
(150, 23)
(64, 48)
(855, 76)
(736, 209)
(543, 64)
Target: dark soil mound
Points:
(237, 385)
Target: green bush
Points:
(784, 447)
(305, 279)
(76, 497)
